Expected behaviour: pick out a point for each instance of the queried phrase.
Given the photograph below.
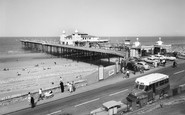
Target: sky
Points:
(95, 17)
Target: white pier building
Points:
(79, 39)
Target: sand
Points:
(28, 72)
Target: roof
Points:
(111, 104)
(87, 36)
(151, 78)
(69, 36)
(80, 33)
(142, 62)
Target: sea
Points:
(12, 45)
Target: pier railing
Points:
(77, 51)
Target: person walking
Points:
(62, 86)
(123, 70)
(164, 62)
(127, 73)
(32, 102)
(142, 69)
(135, 69)
(40, 94)
(174, 63)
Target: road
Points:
(82, 104)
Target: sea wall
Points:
(22, 97)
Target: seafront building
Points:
(137, 49)
(80, 39)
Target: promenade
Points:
(111, 80)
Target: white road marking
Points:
(87, 102)
(118, 92)
(55, 112)
(179, 72)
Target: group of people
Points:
(70, 86)
(31, 100)
(41, 96)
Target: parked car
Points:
(131, 65)
(143, 64)
(171, 58)
(110, 107)
(159, 57)
(151, 60)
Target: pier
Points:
(74, 52)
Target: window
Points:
(157, 84)
(162, 82)
(141, 87)
(146, 88)
(166, 81)
(150, 87)
(136, 86)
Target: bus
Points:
(148, 87)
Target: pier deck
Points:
(71, 51)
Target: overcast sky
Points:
(95, 17)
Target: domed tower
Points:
(135, 50)
(137, 43)
(62, 37)
(159, 42)
(158, 47)
(76, 31)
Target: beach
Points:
(23, 73)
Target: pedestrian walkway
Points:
(112, 80)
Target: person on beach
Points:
(40, 94)
(32, 102)
(62, 86)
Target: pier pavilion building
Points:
(158, 48)
(80, 39)
(137, 49)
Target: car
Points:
(159, 57)
(151, 60)
(171, 58)
(113, 107)
(143, 64)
